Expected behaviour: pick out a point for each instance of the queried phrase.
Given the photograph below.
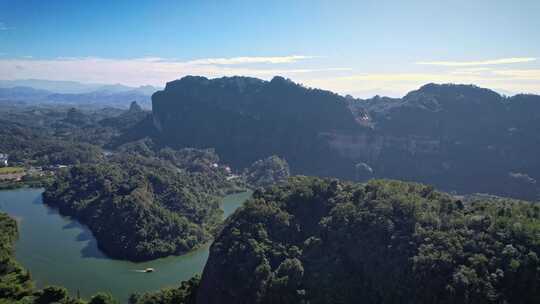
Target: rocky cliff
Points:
(459, 137)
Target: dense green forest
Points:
(266, 172)
(35, 147)
(315, 240)
(186, 293)
(45, 136)
(326, 241)
(140, 208)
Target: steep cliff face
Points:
(247, 119)
(458, 137)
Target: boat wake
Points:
(146, 270)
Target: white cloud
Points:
(479, 63)
(387, 84)
(250, 60)
(532, 74)
(149, 70)
(398, 84)
(274, 72)
(157, 71)
(470, 71)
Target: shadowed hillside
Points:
(458, 137)
(326, 241)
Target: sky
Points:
(362, 48)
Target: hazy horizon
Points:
(361, 48)
(93, 86)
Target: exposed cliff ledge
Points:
(449, 135)
(247, 119)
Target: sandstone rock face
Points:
(458, 137)
(247, 119)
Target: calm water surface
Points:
(59, 251)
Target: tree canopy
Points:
(324, 241)
(139, 208)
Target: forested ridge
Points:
(140, 208)
(325, 241)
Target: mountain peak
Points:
(449, 89)
(135, 107)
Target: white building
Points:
(3, 160)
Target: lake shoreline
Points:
(58, 250)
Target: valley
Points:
(58, 250)
(139, 206)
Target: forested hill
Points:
(326, 241)
(141, 208)
(452, 136)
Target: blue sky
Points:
(351, 47)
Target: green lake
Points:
(59, 251)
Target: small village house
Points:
(3, 160)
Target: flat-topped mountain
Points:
(458, 137)
(247, 119)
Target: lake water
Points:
(59, 251)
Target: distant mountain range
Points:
(69, 92)
(73, 87)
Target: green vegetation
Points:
(247, 119)
(450, 136)
(16, 285)
(53, 135)
(309, 240)
(325, 241)
(266, 172)
(15, 282)
(28, 180)
(184, 294)
(139, 208)
(30, 146)
(199, 161)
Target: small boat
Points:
(149, 270)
